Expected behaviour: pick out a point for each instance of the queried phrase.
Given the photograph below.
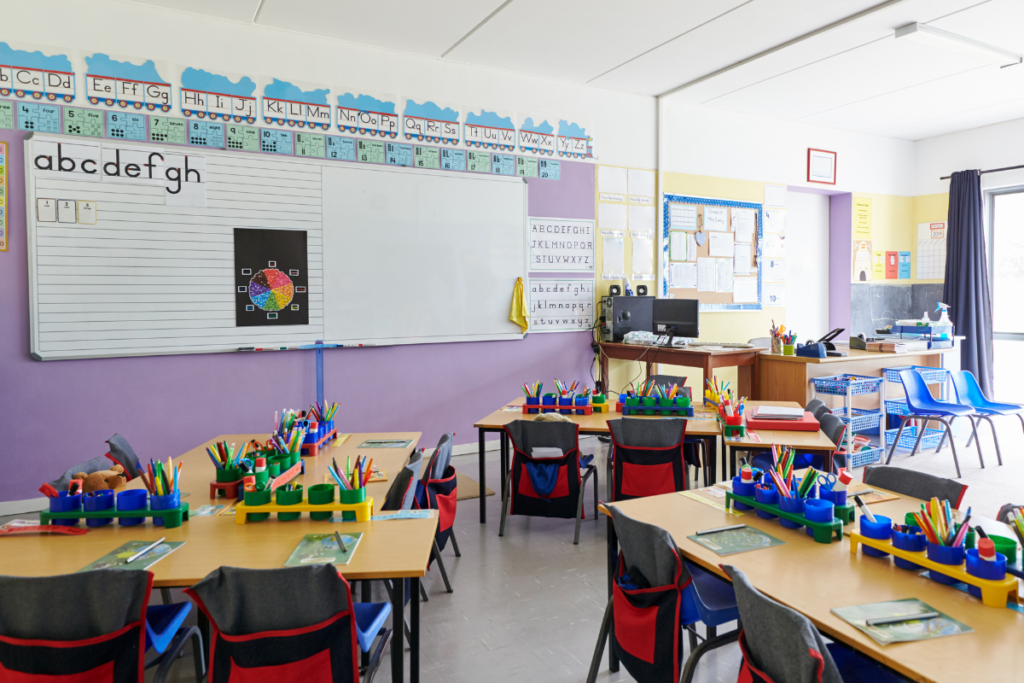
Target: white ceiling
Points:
(854, 76)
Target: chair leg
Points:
(690, 668)
(952, 446)
(440, 565)
(374, 664)
(602, 636)
(423, 594)
(995, 438)
(920, 435)
(896, 441)
(455, 544)
(596, 517)
(977, 441)
(591, 470)
(504, 503)
(693, 640)
(942, 441)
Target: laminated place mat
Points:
(875, 496)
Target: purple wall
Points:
(58, 413)
(840, 261)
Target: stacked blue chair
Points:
(969, 393)
(923, 406)
(655, 596)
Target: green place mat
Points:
(115, 558)
(386, 443)
(736, 541)
(906, 632)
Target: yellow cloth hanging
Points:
(519, 315)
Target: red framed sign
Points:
(821, 166)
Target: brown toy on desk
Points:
(101, 480)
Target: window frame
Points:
(990, 238)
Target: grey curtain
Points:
(966, 288)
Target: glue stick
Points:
(844, 479)
(987, 549)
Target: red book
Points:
(805, 424)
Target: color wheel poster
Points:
(271, 280)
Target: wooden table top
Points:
(813, 578)
(388, 549)
(855, 355)
(596, 423)
(810, 440)
(721, 351)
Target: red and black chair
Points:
(76, 628)
(647, 457)
(544, 479)
(270, 625)
(438, 490)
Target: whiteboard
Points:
(445, 251)
(147, 278)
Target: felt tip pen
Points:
(721, 528)
(864, 509)
(881, 621)
(144, 550)
(341, 543)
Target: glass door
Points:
(1006, 279)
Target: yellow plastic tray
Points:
(363, 510)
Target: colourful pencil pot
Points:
(683, 401)
(330, 427)
(131, 500)
(1006, 547)
(65, 503)
(582, 401)
(168, 502)
(564, 401)
(776, 345)
(533, 401)
(275, 469)
(631, 401)
(794, 505)
(788, 349)
(321, 494)
(766, 495)
(837, 497)
(944, 554)
(313, 435)
(262, 477)
(742, 488)
(649, 401)
(226, 476)
(293, 497)
(254, 499)
(817, 510)
(98, 501)
(351, 497)
(598, 399)
(881, 529)
(991, 570)
(914, 541)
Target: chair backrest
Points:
(649, 549)
(441, 458)
(817, 408)
(968, 391)
(641, 433)
(1004, 513)
(105, 608)
(832, 426)
(647, 457)
(402, 493)
(777, 641)
(527, 435)
(915, 484)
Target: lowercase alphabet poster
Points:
(271, 277)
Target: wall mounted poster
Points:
(271, 277)
(561, 305)
(561, 245)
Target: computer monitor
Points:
(676, 317)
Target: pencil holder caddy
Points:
(226, 483)
(683, 401)
(275, 469)
(321, 494)
(776, 345)
(1006, 547)
(253, 498)
(649, 401)
(817, 510)
(313, 435)
(98, 501)
(881, 529)
(742, 488)
(351, 497)
(582, 402)
(837, 497)
(795, 505)
(788, 349)
(945, 554)
(913, 541)
(63, 502)
(131, 500)
(168, 502)
(262, 477)
(991, 570)
(766, 495)
(533, 401)
(293, 497)
(599, 403)
(327, 426)
(548, 400)
(562, 402)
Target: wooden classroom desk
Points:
(788, 378)
(812, 578)
(596, 423)
(744, 360)
(388, 549)
(803, 441)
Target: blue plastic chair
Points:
(166, 636)
(969, 393)
(370, 618)
(923, 406)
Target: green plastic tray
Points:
(824, 532)
(172, 517)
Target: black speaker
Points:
(641, 290)
(615, 290)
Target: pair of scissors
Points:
(827, 481)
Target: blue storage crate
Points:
(897, 407)
(862, 419)
(837, 385)
(930, 375)
(865, 456)
(929, 441)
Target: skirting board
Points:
(18, 507)
(474, 448)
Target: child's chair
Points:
(291, 624)
(969, 393)
(647, 457)
(544, 479)
(438, 490)
(780, 645)
(166, 636)
(655, 596)
(75, 628)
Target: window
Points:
(1006, 279)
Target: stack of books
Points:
(898, 345)
(777, 413)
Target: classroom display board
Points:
(711, 250)
(143, 249)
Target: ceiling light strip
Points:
(476, 28)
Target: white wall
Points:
(995, 146)
(623, 125)
(807, 231)
(715, 142)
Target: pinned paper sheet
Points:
(677, 245)
(723, 279)
(774, 246)
(611, 216)
(720, 244)
(691, 246)
(775, 195)
(716, 218)
(774, 270)
(744, 224)
(775, 220)
(744, 290)
(614, 267)
(641, 182)
(611, 179)
(683, 217)
(643, 255)
(742, 264)
(641, 217)
(707, 274)
(774, 295)
(683, 275)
